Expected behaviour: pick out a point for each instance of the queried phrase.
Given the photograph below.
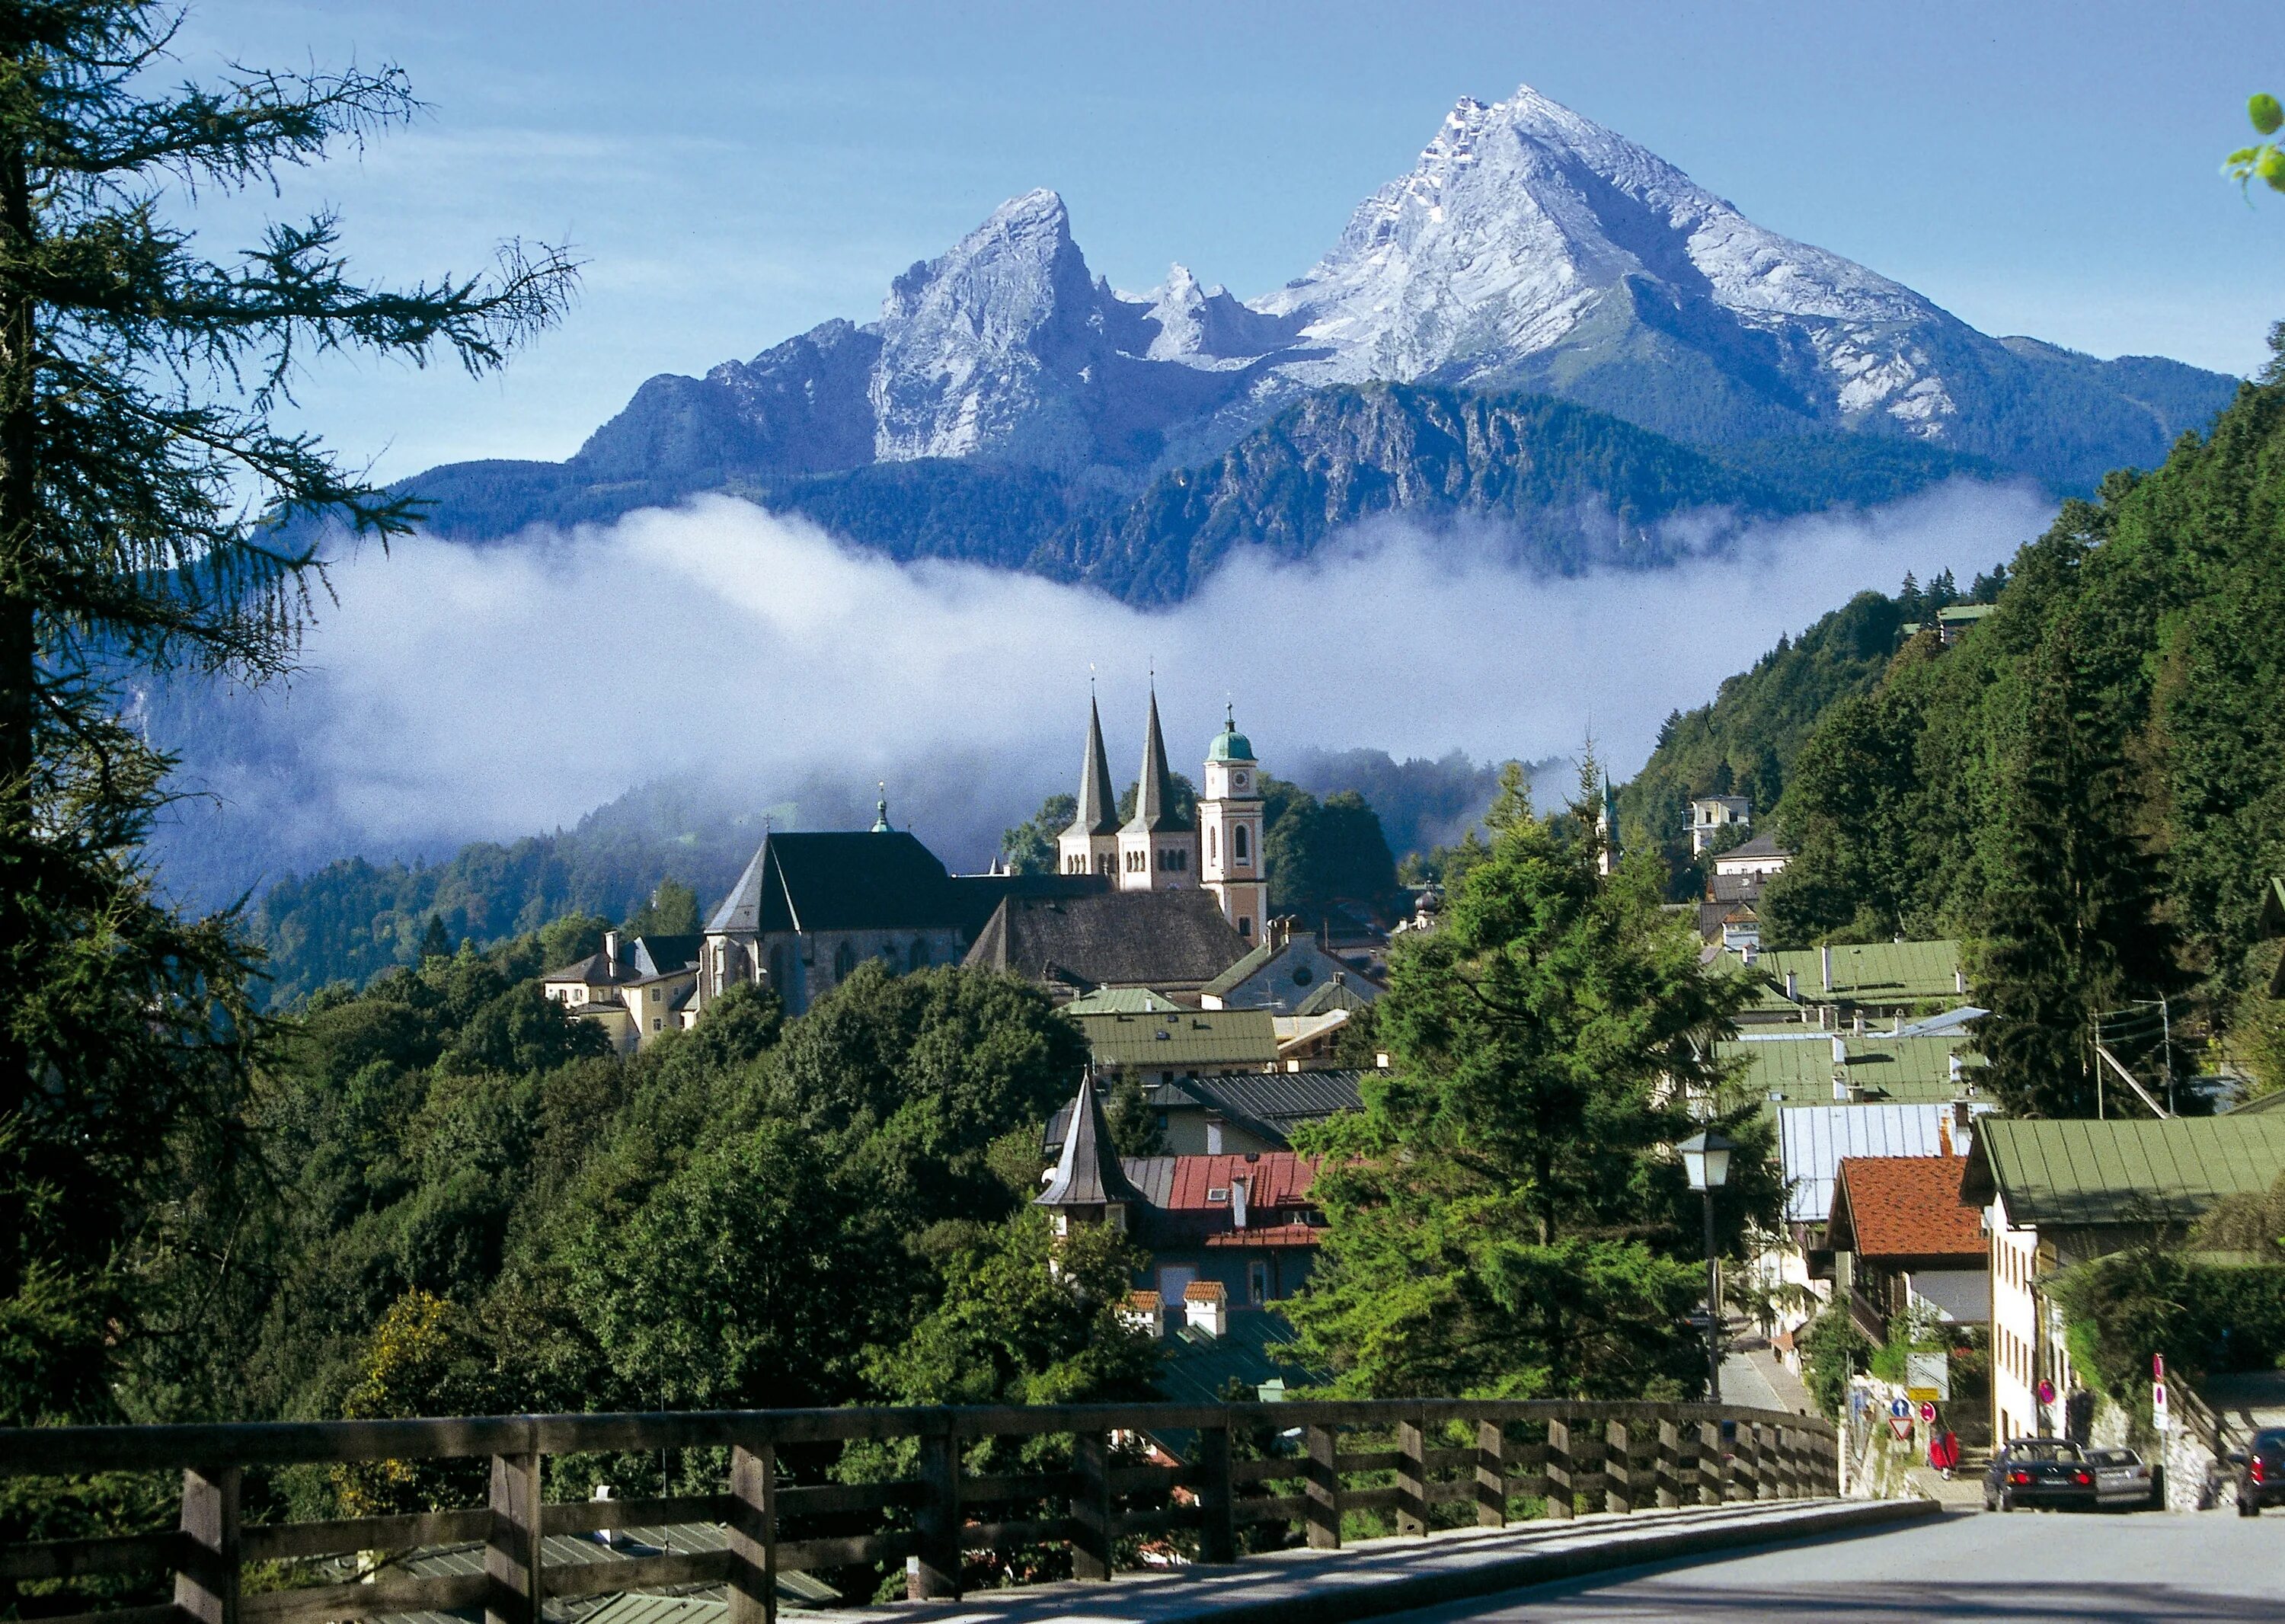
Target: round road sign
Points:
(1901, 1408)
(1928, 1409)
(2046, 1390)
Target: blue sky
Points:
(734, 173)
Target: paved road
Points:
(2051, 1568)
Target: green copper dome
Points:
(1229, 744)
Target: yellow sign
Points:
(1922, 1395)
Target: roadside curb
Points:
(1393, 1575)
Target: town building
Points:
(1712, 815)
(1174, 942)
(1232, 1113)
(2058, 1194)
(1848, 986)
(1818, 1067)
(1902, 1240)
(1221, 1233)
(1286, 972)
(638, 989)
(1160, 1046)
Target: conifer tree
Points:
(155, 516)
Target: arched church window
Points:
(1238, 844)
(1212, 835)
(845, 962)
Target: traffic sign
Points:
(1901, 1408)
(1928, 1412)
(1902, 1426)
(2157, 1367)
(2046, 1390)
(2161, 1417)
(1922, 1395)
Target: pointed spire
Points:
(1088, 1173)
(881, 812)
(1154, 798)
(1098, 812)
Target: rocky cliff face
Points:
(1529, 249)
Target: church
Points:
(1168, 900)
(1158, 849)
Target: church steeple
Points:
(1154, 811)
(1087, 1183)
(1098, 812)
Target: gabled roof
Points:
(1274, 1179)
(873, 880)
(1088, 1173)
(1172, 941)
(1880, 1068)
(1155, 812)
(1813, 1140)
(1870, 972)
(2124, 1173)
(1760, 845)
(1345, 991)
(1268, 1103)
(1182, 1039)
(660, 955)
(1098, 807)
(594, 970)
(1904, 1207)
(1120, 1000)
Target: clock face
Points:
(1237, 780)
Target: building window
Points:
(1245, 927)
(1239, 847)
(1211, 850)
(654, 998)
(657, 1025)
(918, 959)
(1256, 1283)
(845, 962)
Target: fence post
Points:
(1669, 1463)
(938, 1523)
(1217, 1501)
(1091, 1524)
(1617, 1468)
(753, 1534)
(1746, 1473)
(1491, 1475)
(1412, 1476)
(1788, 1474)
(512, 1552)
(1556, 1469)
(1713, 1468)
(206, 1584)
(1324, 1486)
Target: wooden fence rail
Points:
(1244, 1475)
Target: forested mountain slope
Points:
(2089, 786)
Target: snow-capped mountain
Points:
(1529, 249)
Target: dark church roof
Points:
(661, 955)
(1155, 809)
(1097, 811)
(884, 881)
(1161, 939)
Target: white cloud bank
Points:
(461, 693)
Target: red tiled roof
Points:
(1275, 1179)
(1904, 1206)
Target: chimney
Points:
(1238, 1202)
(1142, 1312)
(1859, 1023)
(1840, 1092)
(1280, 931)
(1751, 951)
(1214, 1135)
(1960, 981)
(1944, 1134)
(611, 951)
(1958, 1071)
(1825, 967)
(603, 1536)
(1793, 986)
(1839, 1051)
(1206, 1307)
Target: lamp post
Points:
(1705, 1159)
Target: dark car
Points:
(2261, 1475)
(2123, 1478)
(2039, 1472)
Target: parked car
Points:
(2122, 1477)
(2039, 1472)
(2261, 1474)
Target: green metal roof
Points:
(1869, 973)
(1958, 612)
(1120, 1000)
(1197, 1368)
(1896, 1070)
(2109, 1172)
(1230, 745)
(1180, 1039)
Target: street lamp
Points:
(1705, 1159)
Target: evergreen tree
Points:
(2069, 928)
(1505, 1216)
(1030, 847)
(435, 943)
(149, 501)
(672, 910)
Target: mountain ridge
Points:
(1529, 250)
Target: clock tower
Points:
(1230, 833)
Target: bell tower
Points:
(1158, 846)
(1229, 832)
(1090, 845)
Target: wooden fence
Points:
(1247, 1475)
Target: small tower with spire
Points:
(1088, 1185)
(1229, 831)
(1090, 845)
(1158, 848)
